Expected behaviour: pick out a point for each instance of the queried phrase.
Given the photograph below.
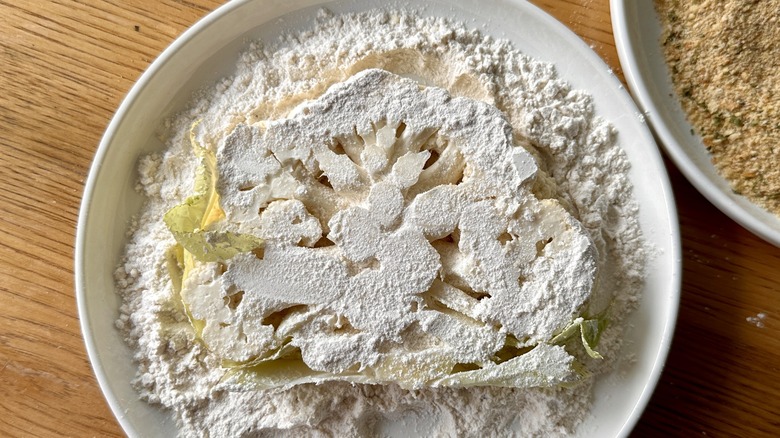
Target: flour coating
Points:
(373, 307)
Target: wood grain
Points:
(66, 65)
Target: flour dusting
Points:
(507, 192)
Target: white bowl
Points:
(638, 31)
(203, 54)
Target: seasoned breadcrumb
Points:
(724, 57)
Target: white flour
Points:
(579, 162)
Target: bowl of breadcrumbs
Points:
(707, 75)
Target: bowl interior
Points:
(209, 50)
(638, 35)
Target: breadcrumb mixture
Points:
(724, 57)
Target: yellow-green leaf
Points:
(189, 221)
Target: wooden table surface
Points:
(64, 68)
